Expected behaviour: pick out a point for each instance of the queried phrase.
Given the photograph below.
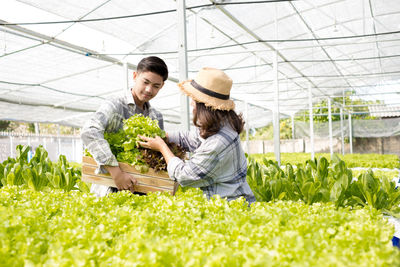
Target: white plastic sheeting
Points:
(360, 128)
(52, 70)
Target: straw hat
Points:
(211, 87)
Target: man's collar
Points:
(131, 100)
(129, 97)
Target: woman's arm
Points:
(198, 171)
(157, 144)
(195, 172)
(189, 140)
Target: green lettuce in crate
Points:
(124, 144)
(140, 125)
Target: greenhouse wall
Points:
(72, 147)
(360, 128)
(379, 145)
(68, 145)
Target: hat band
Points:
(209, 92)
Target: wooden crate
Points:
(150, 181)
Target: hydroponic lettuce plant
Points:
(40, 172)
(351, 160)
(59, 228)
(124, 144)
(321, 181)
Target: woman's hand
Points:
(152, 143)
(157, 144)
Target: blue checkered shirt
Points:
(217, 165)
(109, 118)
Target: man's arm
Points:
(106, 118)
(156, 115)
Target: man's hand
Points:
(123, 180)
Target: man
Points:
(149, 78)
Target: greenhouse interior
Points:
(272, 140)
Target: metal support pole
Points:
(350, 134)
(341, 129)
(310, 106)
(73, 149)
(293, 131)
(82, 150)
(246, 114)
(275, 121)
(58, 141)
(183, 64)
(125, 76)
(363, 14)
(58, 146)
(11, 146)
(37, 128)
(330, 126)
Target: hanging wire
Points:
(195, 29)
(5, 44)
(145, 14)
(263, 41)
(51, 89)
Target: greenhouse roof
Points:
(383, 111)
(60, 59)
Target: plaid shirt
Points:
(217, 165)
(109, 118)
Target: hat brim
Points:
(209, 101)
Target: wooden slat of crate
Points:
(150, 181)
(128, 168)
(141, 178)
(138, 188)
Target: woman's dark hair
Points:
(211, 120)
(153, 64)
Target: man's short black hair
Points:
(153, 64)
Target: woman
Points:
(217, 164)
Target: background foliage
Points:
(320, 115)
